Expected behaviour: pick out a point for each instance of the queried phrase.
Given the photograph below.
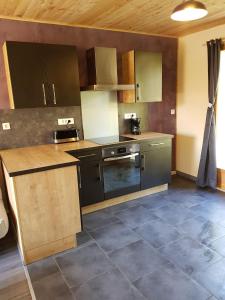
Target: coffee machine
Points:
(135, 125)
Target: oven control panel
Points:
(118, 150)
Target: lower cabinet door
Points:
(156, 167)
(90, 183)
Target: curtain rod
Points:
(222, 39)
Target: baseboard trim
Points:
(187, 176)
(124, 198)
(173, 173)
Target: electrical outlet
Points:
(6, 126)
(172, 111)
(66, 121)
(129, 116)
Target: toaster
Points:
(65, 135)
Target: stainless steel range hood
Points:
(102, 71)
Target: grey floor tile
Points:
(174, 214)
(83, 238)
(187, 199)
(42, 268)
(135, 216)
(52, 287)
(158, 233)
(137, 259)
(83, 264)
(215, 196)
(114, 236)
(212, 213)
(153, 202)
(190, 255)
(202, 230)
(120, 207)
(98, 219)
(170, 284)
(218, 245)
(213, 279)
(108, 286)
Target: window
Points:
(220, 116)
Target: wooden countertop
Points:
(19, 161)
(149, 135)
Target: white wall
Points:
(99, 114)
(192, 97)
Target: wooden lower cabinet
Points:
(47, 211)
(221, 179)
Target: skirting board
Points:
(124, 198)
(220, 187)
(187, 176)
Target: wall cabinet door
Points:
(41, 75)
(156, 165)
(25, 75)
(91, 185)
(148, 76)
(61, 65)
(144, 69)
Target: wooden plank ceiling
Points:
(144, 16)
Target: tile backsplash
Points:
(34, 126)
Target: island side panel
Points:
(48, 211)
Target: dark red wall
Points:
(84, 38)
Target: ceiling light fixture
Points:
(188, 11)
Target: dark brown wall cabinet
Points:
(144, 69)
(155, 163)
(40, 75)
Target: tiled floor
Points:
(168, 246)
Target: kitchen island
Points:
(44, 197)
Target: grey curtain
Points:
(207, 172)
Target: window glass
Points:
(220, 116)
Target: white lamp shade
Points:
(189, 11)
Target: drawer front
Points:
(155, 144)
(87, 154)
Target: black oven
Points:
(121, 169)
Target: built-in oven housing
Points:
(121, 169)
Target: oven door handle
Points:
(121, 157)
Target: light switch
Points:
(172, 111)
(6, 126)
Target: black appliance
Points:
(121, 169)
(135, 125)
(107, 140)
(65, 135)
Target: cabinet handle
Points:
(44, 95)
(99, 172)
(157, 144)
(79, 177)
(138, 92)
(54, 95)
(142, 162)
(88, 155)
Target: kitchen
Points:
(96, 193)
